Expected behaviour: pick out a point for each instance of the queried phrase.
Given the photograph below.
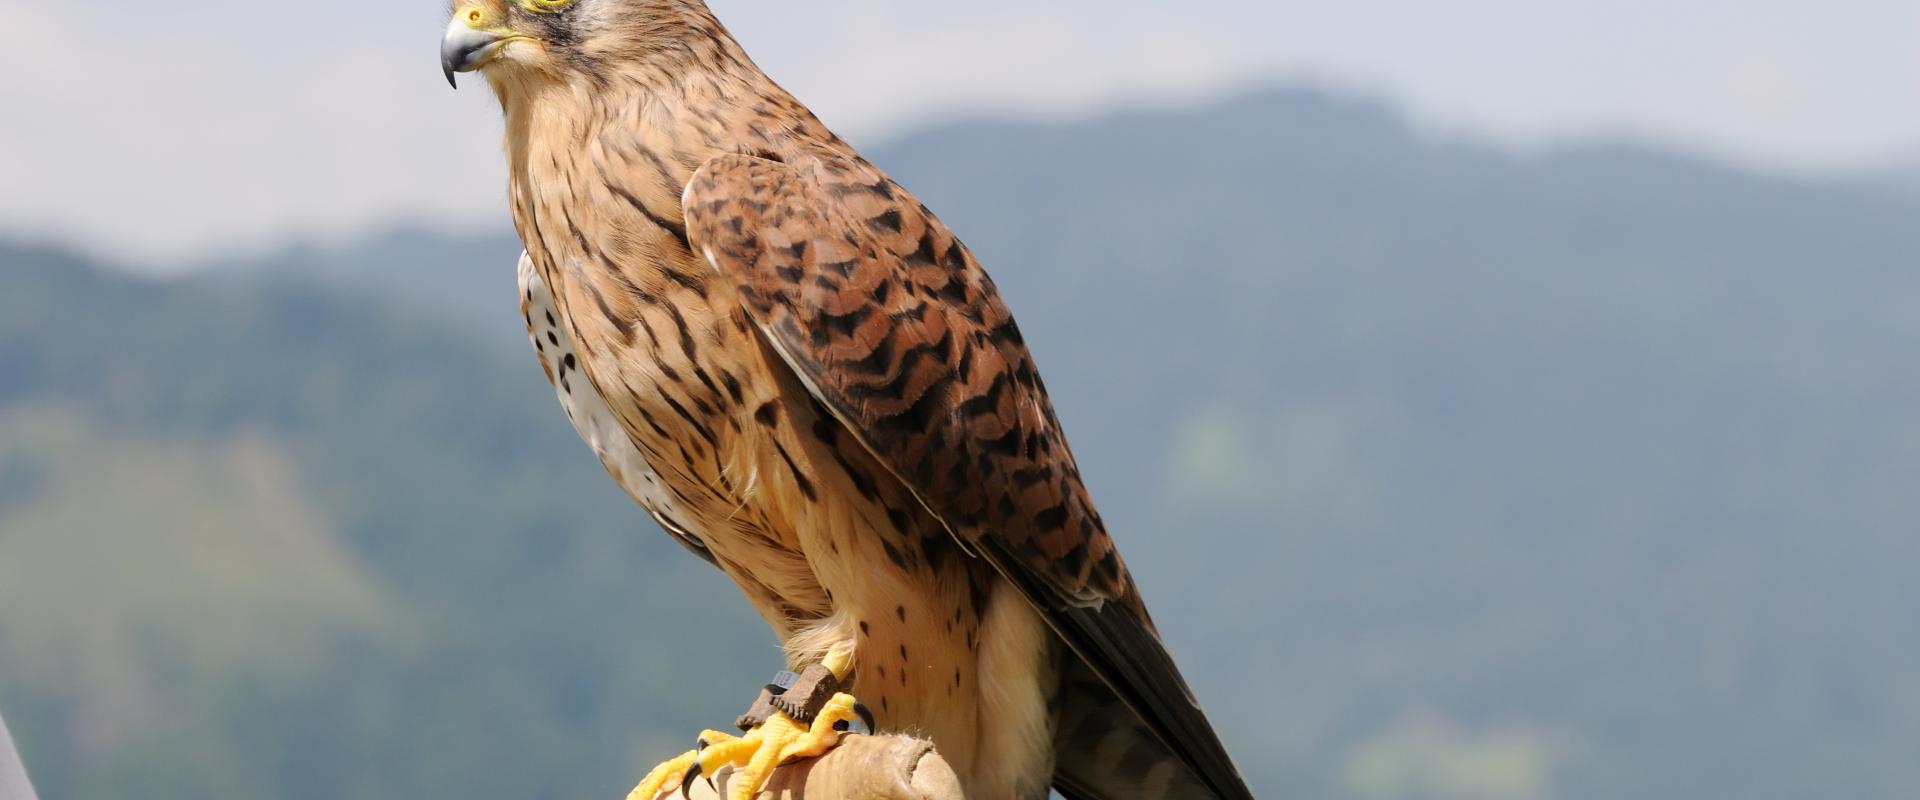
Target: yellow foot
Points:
(778, 738)
(782, 739)
(674, 774)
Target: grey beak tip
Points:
(465, 49)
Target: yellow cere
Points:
(475, 17)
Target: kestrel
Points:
(811, 383)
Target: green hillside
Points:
(1601, 461)
(1450, 473)
(259, 541)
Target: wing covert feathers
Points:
(897, 329)
(893, 325)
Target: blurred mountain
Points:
(260, 540)
(457, 277)
(1450, 473)
(1606, 451)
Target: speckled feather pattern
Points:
(894, 324)
(808, 380)
(592, 418)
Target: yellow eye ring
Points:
(545, 6)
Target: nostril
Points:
(474, 17)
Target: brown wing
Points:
(894, 326)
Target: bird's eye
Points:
(545, 6)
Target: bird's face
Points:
(521, 39)
(511, 34)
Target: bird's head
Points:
(556, 39)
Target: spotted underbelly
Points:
(592, 418)
(828, 546)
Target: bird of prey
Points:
(808, 381)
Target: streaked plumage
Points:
(592, 418)
(794, 366)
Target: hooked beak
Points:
(471, 42)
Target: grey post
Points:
(13, 774)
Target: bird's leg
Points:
(796, 716)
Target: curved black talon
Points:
(686, 783)
(866, 718)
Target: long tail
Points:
(1102, 751)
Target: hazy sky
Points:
(160, 129)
